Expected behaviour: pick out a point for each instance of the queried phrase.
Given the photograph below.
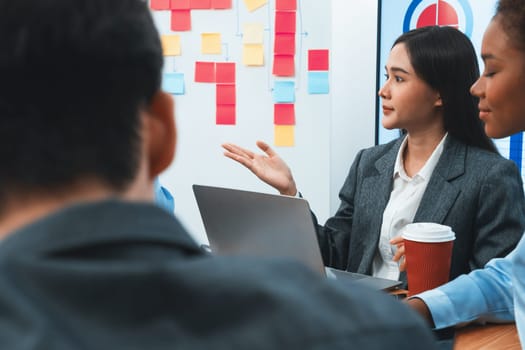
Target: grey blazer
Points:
(476, 192)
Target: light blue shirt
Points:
(163, 197)
(494, 293)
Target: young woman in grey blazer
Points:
(443, 169)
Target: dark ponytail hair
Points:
(446, 60)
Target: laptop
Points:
(267, 225)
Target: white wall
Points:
(354, 48)
(330, 128)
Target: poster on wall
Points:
(471, 17)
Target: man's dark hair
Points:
(74, 75)
(445, 59)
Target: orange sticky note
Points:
(225, 94)
(284, 135)
(283, 65)
(284, 114)
(205, 72)
(285, 21)
(317, 59)
(170, 45)
(180, 20)
(253, 33)
(160, 4)
(211, 43)
(253, 5)
(284, 44)
(225, 72)
(252, 55)
(225, 115)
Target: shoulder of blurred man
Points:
(129, 276)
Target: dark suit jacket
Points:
(476, 192)
(112, 275)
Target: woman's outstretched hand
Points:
(268, 167)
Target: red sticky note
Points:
(283, 65)
(284, 114)
(318, 60)
(205, 72)
(180, 4)
(225, 94)
(225, 72)
(284, 44)
(180, 20)
(160, 4)
(286, 5)
(285, 21)
(221, 4)
(225, 115)
(201, 4)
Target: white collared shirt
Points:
(401, 209)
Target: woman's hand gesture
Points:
(268, 167)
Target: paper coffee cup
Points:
(428, 252)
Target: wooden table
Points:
(493, 336)
(487, 337)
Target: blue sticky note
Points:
(173, 83)
(284, 91)
(318, 83)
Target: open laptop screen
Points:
(258, 224)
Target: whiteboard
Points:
(329, 128)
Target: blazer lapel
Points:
(377, 186)
(440, 193)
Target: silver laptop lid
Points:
(258, 224)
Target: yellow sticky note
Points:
(211, 43)
(252, 33)
(284, 135)
(170, 45)
(253, 55)
(253, 5)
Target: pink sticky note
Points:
(180, 20)
(225, 72)
(160, 4)
(285, 21)
(286, 5)
(180, 4)
(205, 72)
(318, 60)
(221, 4)
(225, 115)
(284, 44)
(283, 65)
(284, 114)
(225, 94)
(201, 4)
